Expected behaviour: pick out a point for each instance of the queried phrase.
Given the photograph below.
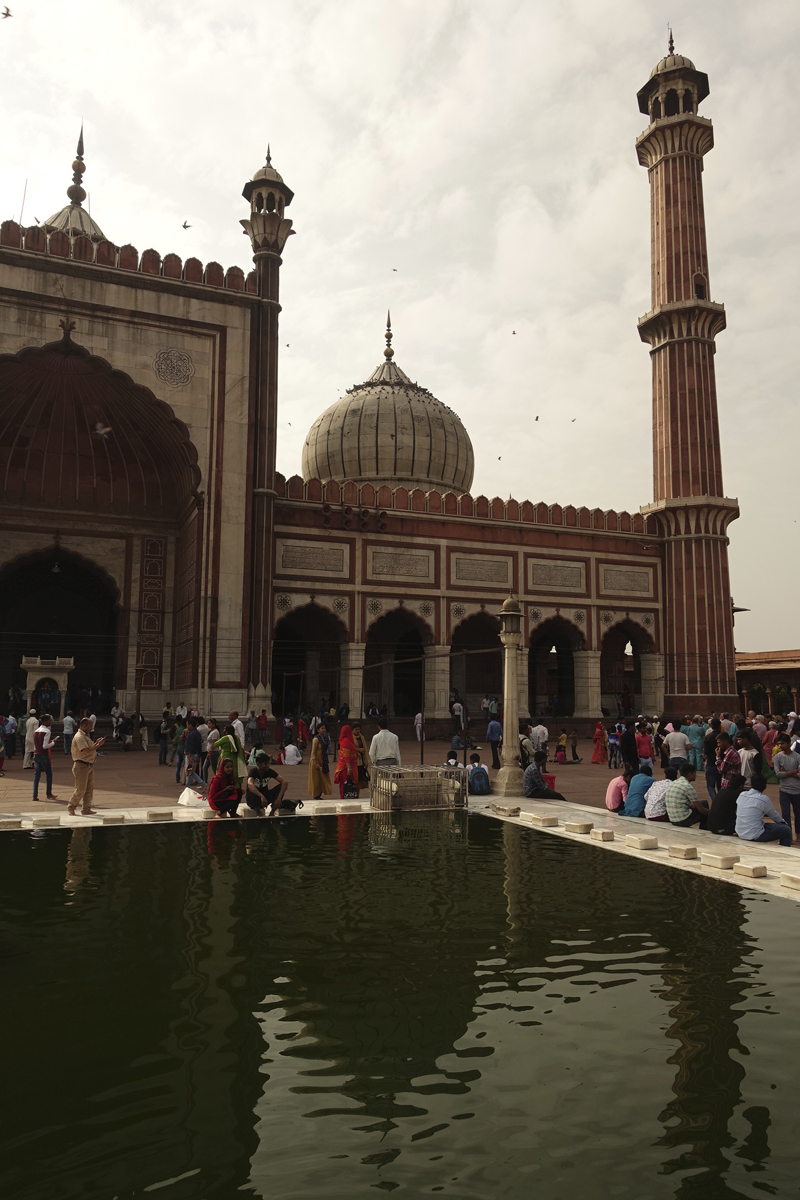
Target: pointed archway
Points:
(621, 668)
(394, 667)
(551, 667)
(306, 660)
(476, 660)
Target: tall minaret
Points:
(268, 230)
(681, 327)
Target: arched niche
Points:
(56, 603)
(476, 660)
(394, 662)
(306, 652)
(551, 667)
(621, 652)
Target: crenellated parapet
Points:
(360, 506)
(82, 249)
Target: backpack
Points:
(525, 759)
(479, 782)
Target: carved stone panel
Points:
(312, 558)
(633, 581)
(548, 575)
(481, 568)
(400, 564)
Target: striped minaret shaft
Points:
(681, 328)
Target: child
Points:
(573, 741)
(561, 748)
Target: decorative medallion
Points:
(426, 609)
(458, 611)
(283, 603)
(535, 614)
(647, 620)
(173, 367)
(606, 617)
(579, 616)
(374, 607)
(340, 605)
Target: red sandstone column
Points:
(268, 231)
(681, 328)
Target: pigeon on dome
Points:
(73, 219)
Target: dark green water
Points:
(442, 1006)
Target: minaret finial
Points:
(388, 352)
(75, 191)
(671, 46)
(269, 156)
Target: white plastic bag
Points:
(192, 799)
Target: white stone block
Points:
(639, 841)
(505, 810)
(578, 826)
(751, 870)
(541, 820)
(720, 862)
(682, 851)
(208, 814)
(321, 810)
(159, 814)
(790, 881)
(49, 820)
(348, 807)
(602, 835)
(10, 824)
(114, 819)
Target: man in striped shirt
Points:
(683, 806)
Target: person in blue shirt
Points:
(751, 808)
(638, 788)
(494, 736)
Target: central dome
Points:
(389, 430)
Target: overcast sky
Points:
(470, 165)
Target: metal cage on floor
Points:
(418, 787)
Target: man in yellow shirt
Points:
(84, 755)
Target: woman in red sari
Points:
(347, 764)
(224, 793)
(600, 752)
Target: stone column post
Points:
(768, 691)
(652, 669)
(586, 666)
(437, 682)
(351, 684)
(508, 781)
(522, 680)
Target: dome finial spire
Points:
(388, 352)
(671, 44)
(269, 156)
(75, 191)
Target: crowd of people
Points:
(738, 757)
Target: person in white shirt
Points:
(418, 726)
(211, 755)
(117, 716)
(70, 725)
(182, 710)
(540, 736)
(384, 749)
(458, 715)
(93, 720)
(233, 719)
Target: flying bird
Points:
(537, 418)
(574, 419)
(102, 430)
(394, 268)
(514, 332)
(7, 12)
(186, 225)
(499, 457)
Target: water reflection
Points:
(425, 1002)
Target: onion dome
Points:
(389, 430)
(73, 219)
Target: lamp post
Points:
(137, 732)
(508, 781)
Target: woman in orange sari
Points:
(600, 753)
(347, 764)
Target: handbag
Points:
(349, 791)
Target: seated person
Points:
(474, 761)
(682, 803)
(290, 756)
(722, 815)
(452, 759)
(751, 808)
(224, 793)
(264, 786)
(656, 807)
(617, 789)
(638, 788)
(533, 785)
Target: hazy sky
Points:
(471, 166)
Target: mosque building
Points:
(147, 532)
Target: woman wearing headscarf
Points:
(319, 770)
(230, 750)
(600, 753)
(224, 791)
(347, 766)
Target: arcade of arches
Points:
(312, 660)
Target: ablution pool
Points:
(431, 1004)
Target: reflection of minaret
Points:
(681, 327)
